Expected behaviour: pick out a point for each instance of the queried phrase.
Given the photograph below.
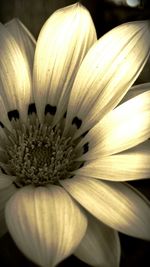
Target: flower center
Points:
(39, 155)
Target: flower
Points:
(67, 147)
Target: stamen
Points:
(39, 155)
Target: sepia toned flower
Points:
(73, 132)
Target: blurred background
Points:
(106, 15)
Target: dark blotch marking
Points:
(85, 147)
(13, 114)
(16, 185)
(1, 125)
(3, 171)
(50, 109)
(84, 134)
(77, 122)
(32, 109)
(82, 164)
(65, 114)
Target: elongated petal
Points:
(133, 164)
(135, 91)
(100, 245)
(5, 180)
(125, 127)
(7, 189)
(15, 79)
(106, 74)
(3, 157)
(62, 44)
(115, 204)
(24, 39)
(3, 115)
(44, 222)
(3, 137)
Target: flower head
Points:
(66, 144)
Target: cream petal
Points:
(3, 115)
(3, 156)
(106, 74)
(24, 39)
(100, 246)
(3, 137)
(7, 189)
(133, 164)
(6, 180)
(62, 44)
(125, 127)
(115, 204)
(43, 222)
(15, 78)
(135, 91)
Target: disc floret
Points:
(39, 155)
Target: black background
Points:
(106, 15)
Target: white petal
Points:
(106, 74)
(100, 246)
(15, 80)
(3, 156)
(62, 44)
(3, 115)
(6, 180)
(43, 223)
(125, 127)
(115, 204)
(24, 39)
(3, 137)
(135, 91)
(7, 189)
(133, 164)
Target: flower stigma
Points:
(39, 155)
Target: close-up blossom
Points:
(74, 132)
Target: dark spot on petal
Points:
(65, 114)
(50, 109)
(3, 171)
(84, 134)
(16, 185)
(32, 109)
(82, 164)
(13, 114)
(85, 147)
(1, 125)
(77, 122)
